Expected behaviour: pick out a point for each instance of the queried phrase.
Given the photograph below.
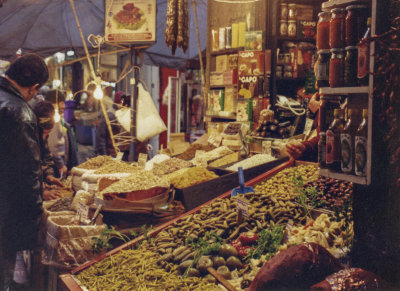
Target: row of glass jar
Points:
(341, 27)
(339, 68)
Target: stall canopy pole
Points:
(134, 98)
(199, 46)
(103, 108)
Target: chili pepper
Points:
(236, 243)
(248, 238)
(243, 251)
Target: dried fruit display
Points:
(169, 166)
(96, 162)
(141, 180)
(228, 159)
(253, 161)
(116, 167)
(192, 176)
(191, 151)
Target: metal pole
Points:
(134, 98)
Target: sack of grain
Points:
(76, 174)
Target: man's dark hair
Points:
(28, 70)
(54, 95)
(44, 111)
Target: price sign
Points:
(215, 139)
(142, 160)
(83, 213)
(119, 156)
(242, 206)
(266, 147)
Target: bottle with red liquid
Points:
(363, 57)
(333, 141)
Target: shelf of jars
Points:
(345, 149)
(339, 3)
(344, 90)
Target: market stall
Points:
(236, 249)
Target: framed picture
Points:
(130, 21)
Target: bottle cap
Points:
(365, 113)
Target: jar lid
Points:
(337, 50)
(338, 10)
(283, 4)
(283, 20)
(292, 4)
(356, 7)
(323, 13)
(351, 47)
(288, 68)
(291, 21)
(327, 51)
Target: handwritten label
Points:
(119, 156)
(242, 206)
(142, 160)
(83, 213)
(215, 139)
(266, 147)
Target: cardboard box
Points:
(216, 100)
(248, 86)
(230, 102)
(251, 63)
(254, 40)
(232, 61)
(221, 63)
(216, 78)
(306, 29)
(230, 77)
(244, 110)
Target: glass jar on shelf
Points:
(284, 11)
(322, 68)
(336, 68)
(283, 27)
(292, 11)
(350, 66)
(355, 23)
(323, 30)
(337, 28)
(292, 28)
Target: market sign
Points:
(128, 21)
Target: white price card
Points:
(242, 206)
(142, 159)
(215, 139)
(83, 212)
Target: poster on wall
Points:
(130, 21)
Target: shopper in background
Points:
(307, 149)
(45, 114)
(20, 170)
(62, 141)
(103, 140)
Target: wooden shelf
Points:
(296, 39)
(227, 51)
(230, 117)
(339, 3)
(344, 177)
(344, 90)
(223, 86)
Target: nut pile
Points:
(169, 166)
(141, 180)
(253, 161)
(116, 167)
(211, 155)
(233, 128)
(228, 159)
(96, 162)
(191, 151)
(192, 176)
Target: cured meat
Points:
(176, 33)
(172, 25)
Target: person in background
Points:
(20, 165)
(62, 141)
(45, 114)
(107, 99)
(197, 108)
(307, 149)
(103, 140)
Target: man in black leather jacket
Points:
(20, 165)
